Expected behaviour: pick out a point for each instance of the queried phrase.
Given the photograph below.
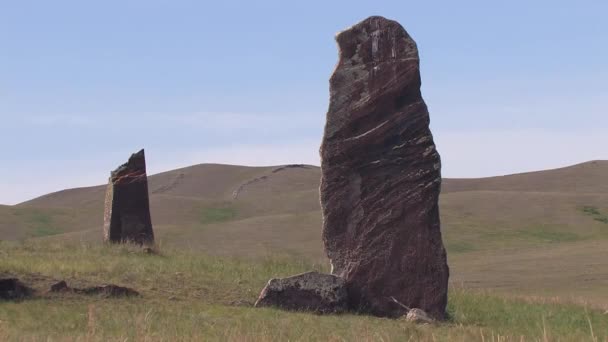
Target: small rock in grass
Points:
(61, 286)
(149, 250)
(418, 316)
(12, 288)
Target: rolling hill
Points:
(540, 233)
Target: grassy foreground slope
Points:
(188, 295)
(539, 233)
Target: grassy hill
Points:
(532, 234)
(589, 177)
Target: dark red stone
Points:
(127, 206)
(381, 176)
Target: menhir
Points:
(381, 176)
(127, 206)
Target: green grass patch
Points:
(217, 214)
(546, 234)
(531, 235)
(188, 296)
(459, 247)
(595, 213)
(39, 222)
(603, 219)
(46, 230)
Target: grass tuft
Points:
(217, 214)
(39, 222)
(459, 247)
(595, 213)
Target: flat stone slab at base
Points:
(311, 291)
(12, 288)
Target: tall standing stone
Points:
(127, 206)
(381, 176)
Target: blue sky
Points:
(511, 86)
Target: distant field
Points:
(533, 234)
(190, 295)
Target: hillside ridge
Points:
(525, 181)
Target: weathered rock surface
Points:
(127, 206)
(381, 176)
(12, 288)
(311, 291)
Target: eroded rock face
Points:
(381, 176)
(127, 206)
(312, 291)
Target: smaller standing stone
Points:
(311, 291)
(127, 206)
